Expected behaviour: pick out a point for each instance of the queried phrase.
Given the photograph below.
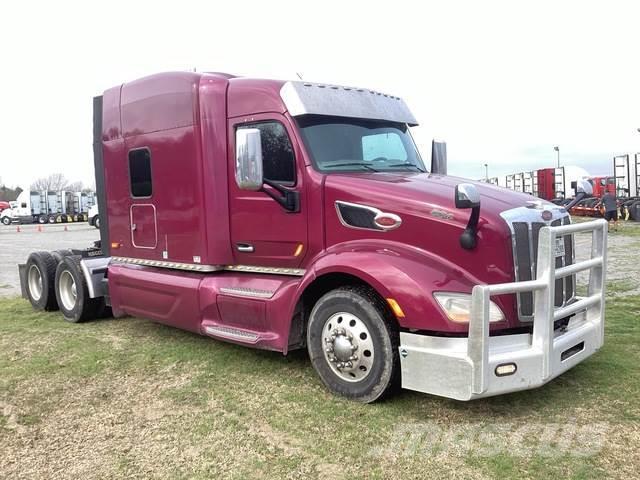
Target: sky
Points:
(501, 82)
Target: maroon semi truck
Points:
(287, 215)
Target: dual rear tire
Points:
(55, 281)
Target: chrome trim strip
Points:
(298, 272)
(196, 267)
(164, 264)
(247, 292)
(377, 212)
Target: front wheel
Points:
(6, 221)
(96, 221)
(353, 341)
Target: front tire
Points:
(353, 341)
(72, 292)
(6, 221)
(96, 222)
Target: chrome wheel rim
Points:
(67, 289)
(35, 282)
(347, 346)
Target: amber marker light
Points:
(115, 245)
(298, 250)
(395, 307)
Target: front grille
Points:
(525, 252)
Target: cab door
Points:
(143, 221)
(264, 233)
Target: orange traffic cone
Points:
(65, 228)
(18, 228)
(39, 228)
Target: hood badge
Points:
(444, 215)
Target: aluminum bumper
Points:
(465, 368)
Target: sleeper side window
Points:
(140, 173)
(278, 160)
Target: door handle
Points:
(133, 226)
(244, 247)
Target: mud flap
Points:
(22, 272)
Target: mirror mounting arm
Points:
(289, 199)
(467, 196)
(469, 238)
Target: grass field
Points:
(130, 398)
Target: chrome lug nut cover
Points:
(343, 334)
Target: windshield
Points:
(338, 144)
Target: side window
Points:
(278, 161)
(383, 145)
(140, 173)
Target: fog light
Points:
(505, 369)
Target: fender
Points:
(405, 273)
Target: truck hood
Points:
(432, 223)
(433, 189)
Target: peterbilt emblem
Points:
(442, 214)
(387, 221)
(547, 215)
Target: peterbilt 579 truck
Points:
(287, 215)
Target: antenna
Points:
(299, 76)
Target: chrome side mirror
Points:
(439, 157)
(467, 196)
(249, 159)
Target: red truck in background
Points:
(286, 215)
(4, 206)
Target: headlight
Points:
(457, 306)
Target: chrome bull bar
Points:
(545, 313)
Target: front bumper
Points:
(465, 368)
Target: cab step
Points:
(232, 333)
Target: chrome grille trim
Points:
(529, 220)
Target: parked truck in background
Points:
(551, 184)
(49, 207)
(626, 172)
(94, 216)
(287, 215)
(558, 185)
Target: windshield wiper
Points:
(406, 164)
(352, 164)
